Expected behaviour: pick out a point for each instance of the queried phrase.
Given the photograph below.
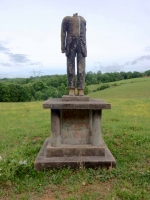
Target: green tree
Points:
(88, 78)
(86, 90)
(4, 92)
(38, 96)
(147, 73)
(24, 93)
(136, 74)
(39, 85)
(99, 74)
(47, 93)
(105, 78)
(14, 93)
(62, 90)
(129, 75)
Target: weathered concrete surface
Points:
(74, 150)
(75, 98)
(75, 136)
(55, 128)
(75, 127)
(43, 162)
(73, 43)
(93, 104)
(96, 127)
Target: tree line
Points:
(54, 86)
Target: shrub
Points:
(103, 87)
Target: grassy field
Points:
(120, 83)
(126, 131)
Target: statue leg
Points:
(71, 70)
(80, 71)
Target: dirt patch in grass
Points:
(95, 191)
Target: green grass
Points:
(125, 128)
(135, 84)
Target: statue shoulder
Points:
(82, 19)
(66, 19)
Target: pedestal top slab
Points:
(75, 98)
(94, 104)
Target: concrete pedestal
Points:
(75, 134)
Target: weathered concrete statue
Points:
(73, 42)
(76, 121)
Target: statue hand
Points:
(63, 51)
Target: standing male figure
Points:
(73, 42)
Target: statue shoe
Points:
(80, 92)
(72, 92)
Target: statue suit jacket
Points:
(73, 27)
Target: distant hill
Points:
(126, 89)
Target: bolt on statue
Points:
(73, 42)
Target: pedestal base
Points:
(43, 162)
(75, 135)
(75, 150)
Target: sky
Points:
(118, 36)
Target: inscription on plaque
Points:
(75, 127)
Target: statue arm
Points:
(63, 34)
